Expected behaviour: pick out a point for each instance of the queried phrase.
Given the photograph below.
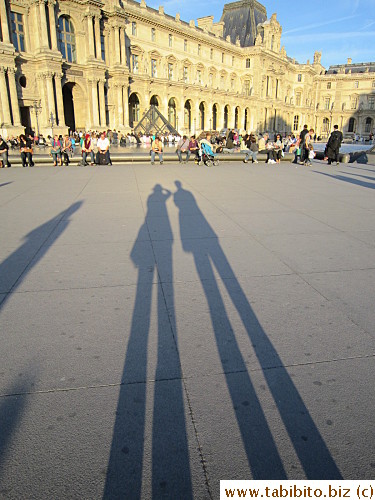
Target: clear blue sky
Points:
(339, 28)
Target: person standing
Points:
(334, 145)
(309, 148)
(4, 148)
(56, 150)
(302, 135)
(26, 150)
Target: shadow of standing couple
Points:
(172, 441)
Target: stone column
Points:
(123, 46)
(14, 97)
(120, 105)
(43, 25)
(52, 23)
(59, 100)
(50, 96)
(116, 44)
(90, 38)
(125, 93)
(43, 99)
(241, 119)
(97, 38)
(4, 98)
(4, 22)
(102, 103)
(94, 103)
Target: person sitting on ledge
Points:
(157, 149)
(87, 149)
(183, 147)
(102, 157)
(4, 148)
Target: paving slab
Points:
(136, 441)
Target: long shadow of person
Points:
(171, 476)
(263, 457)
(36, 244)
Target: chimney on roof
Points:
(349, 60)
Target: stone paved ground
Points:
(163, 328)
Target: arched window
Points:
(133, 109)
(67, 40)
(368, 125)
(351, 125)
(226, 116)
(201, 116)
(172, 112)
(325, 125)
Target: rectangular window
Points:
(222, 57)
(232, 84)
(170, 41)
(296, 123)
(18, 33)
(170, 71)
(154, 68)
(299, 78)
(248, 63)
(298, 99)
(210, 79)
(199, 76)
(371, 102)
(327, 103)
(247, 87)
(199, 49)
(186, 74)
(373, 84)
(134, 28)
(212, 54)
(221, 82)
(153, 34)
(354, 103)
(102, 42)
(329, 86)
(356, 84)
(185, 45)
(135, 63)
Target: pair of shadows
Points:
(171, 474)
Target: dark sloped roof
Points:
(241, 20)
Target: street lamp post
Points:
(210, 124)
(177, 122)
(37, 107)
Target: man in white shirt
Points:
(103, 150)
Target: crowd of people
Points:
(95, 146)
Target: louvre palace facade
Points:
(99, 64)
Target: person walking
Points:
(334, 145)
(4, 148)
(157, 149)
(302, 135)
(26, 150)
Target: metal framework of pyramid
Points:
(153, 121)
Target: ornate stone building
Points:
(98, 64)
